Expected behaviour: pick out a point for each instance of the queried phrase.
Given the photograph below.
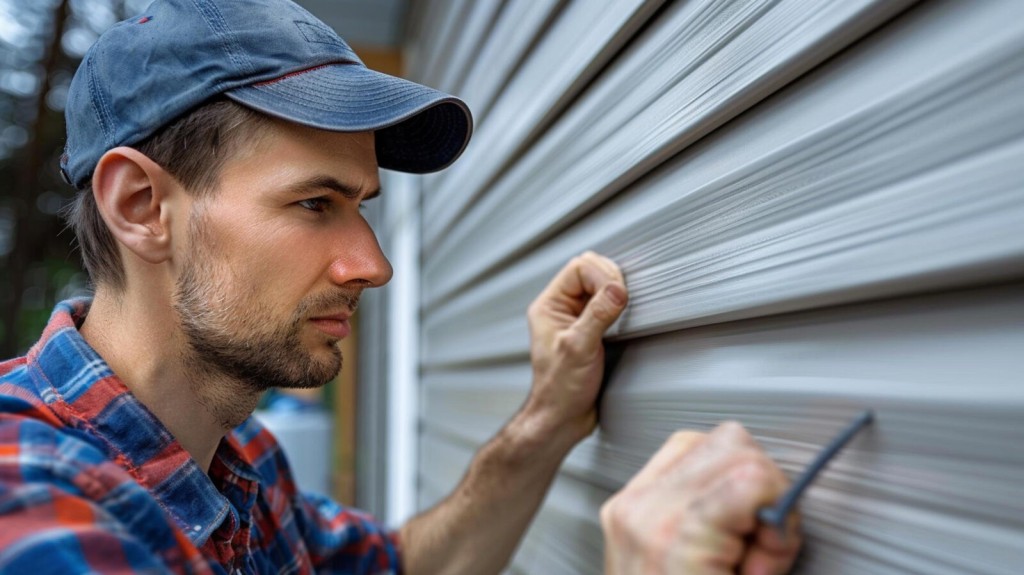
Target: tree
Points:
(41, 45)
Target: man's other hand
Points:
(567, 321)
(692, 509)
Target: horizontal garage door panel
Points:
(519, 24)
(473, 404)
(941, 464)
(673, 87)
(861, 181)
(583, 37)
(818, 209)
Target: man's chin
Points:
(326, 362)
(312, 381)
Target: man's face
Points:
(276, 258)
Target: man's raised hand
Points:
(567, 321)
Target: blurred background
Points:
(41, 44)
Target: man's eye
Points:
(315, 204)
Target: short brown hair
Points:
(193, 149)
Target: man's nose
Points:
(361, 259)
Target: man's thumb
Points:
(602, 310)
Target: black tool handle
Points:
(776, 514)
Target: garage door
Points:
(818, 206)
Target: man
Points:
(223, 151)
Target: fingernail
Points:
(616, 294)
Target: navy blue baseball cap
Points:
(269, 55)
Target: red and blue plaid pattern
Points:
(91, 481)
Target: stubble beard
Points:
(232, 351)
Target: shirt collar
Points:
(81, 389)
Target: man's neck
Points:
(143, 345)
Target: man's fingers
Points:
(601, 312)
(773, 551)
(589, 294)
(749, 484)
(692, 508)
(580, 279)
(667, 458)
(577, 279)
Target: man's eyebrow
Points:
(327, 182)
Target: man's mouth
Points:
(335, 325)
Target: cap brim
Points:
(418, 129)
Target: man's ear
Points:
(131, 194)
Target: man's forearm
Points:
(476, 528)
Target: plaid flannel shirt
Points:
(92, 482)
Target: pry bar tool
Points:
(776, 515)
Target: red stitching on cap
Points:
(145, 19)
(289, 75)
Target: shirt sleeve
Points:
(343, 540)
(52, 522)
(47, 530)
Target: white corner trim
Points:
(402, 228)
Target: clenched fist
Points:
(692, 509)
(567, 322)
